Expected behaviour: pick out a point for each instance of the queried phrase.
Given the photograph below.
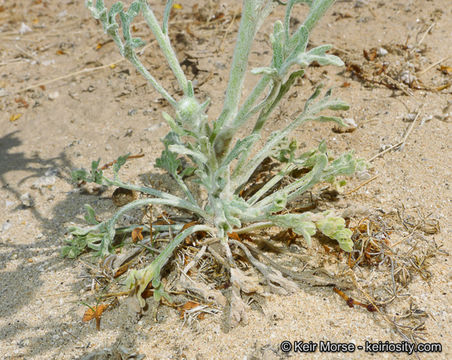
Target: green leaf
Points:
(239, 147)
(137, 42)
(168, 161)
(298, 42)
(335, 119)
(90, 216)
(114, 10)
(79, 175)
(194, 154)
(119, 163)
(273, 72)
(134, 9)
(277, 39)
(334, 228)
(301, 224)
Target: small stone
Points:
(406, 77)
(129, 132)
(44, 181)
(132, 112)
(382, 52)
(26, 200)
(54, 95)
(6, 226)
(24, 28)
(410, 117)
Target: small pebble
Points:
(26, 200)
(54, 95)
(24, 28)
(382, 52)
(6, 225)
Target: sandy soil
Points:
(63, 106)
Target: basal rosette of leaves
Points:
(221, 161)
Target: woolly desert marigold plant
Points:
(211, 154)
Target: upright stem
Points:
(253, 12)
(316, 12)
(140, 67)
(165, 46)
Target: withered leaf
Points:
(137, 235)
(95, 313)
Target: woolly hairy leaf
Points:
(334, 228)
(301, 224)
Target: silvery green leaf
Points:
(326, 103)
(285, 88)
(343, 165)
(301, 224)
(168, 161)
(188, 171)
(114, 10)
(166, 15)
(196, 155)
(171, 138)
(314, 95)
(338, 105)
(96, 175)
(277, 39)
(173, 125)
(310, 179)
(100, 5)
(111, 29)
(334, 228)
(90, 216)
(279, 203)
(119, 163)
(320, 50)
(134, 9)
(273, 72)
(298, 42)
(79, 175)
(240, 146)
(231, 217)
(137, 42)
(286, 153)
(78, 231)
(335, 119)
(305, 59)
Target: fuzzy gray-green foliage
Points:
(221, 161)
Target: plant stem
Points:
(253, 227)
(171, 199)
(272, 182)
(253, 14)
(140, 67)
(316, 12)
(163, 257)
(165, 46)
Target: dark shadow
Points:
(29, 264)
